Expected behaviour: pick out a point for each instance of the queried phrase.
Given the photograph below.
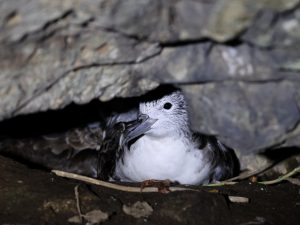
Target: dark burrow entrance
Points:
(31, 194)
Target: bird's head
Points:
(170, 113)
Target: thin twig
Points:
(218, 184)
(115, 186)
(247, 174)
(281, 178)
(78, 203)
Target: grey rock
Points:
(102, 83)
(163, 21)
(50, 63)
(237, 61)
(249, 116)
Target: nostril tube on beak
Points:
(142, 117)
(139, 127)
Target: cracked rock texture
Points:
(238, 61)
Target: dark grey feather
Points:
(225, 163)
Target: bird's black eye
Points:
(167, 105)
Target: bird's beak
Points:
(139, 127)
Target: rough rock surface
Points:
(237, 61)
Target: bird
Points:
(170, 150)
(150, 141)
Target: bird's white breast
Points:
(163, 158)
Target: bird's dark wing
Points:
(118, 138)
(225, 163)
(109, 150)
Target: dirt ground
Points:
(34, 196)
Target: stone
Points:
(237, 61)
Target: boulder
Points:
(238, 62)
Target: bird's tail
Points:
(225, 163)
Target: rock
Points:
(96, 216)
(138, 209)
(98, 62)
(237, 61)
(249, 116)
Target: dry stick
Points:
(78, 203)
(230, 182)
(247, 174)
(115, 186)
(242, 176)
(218, 184)
(154, 189)
(281, 178)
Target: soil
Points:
(33, 196)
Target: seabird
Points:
(168, 149)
